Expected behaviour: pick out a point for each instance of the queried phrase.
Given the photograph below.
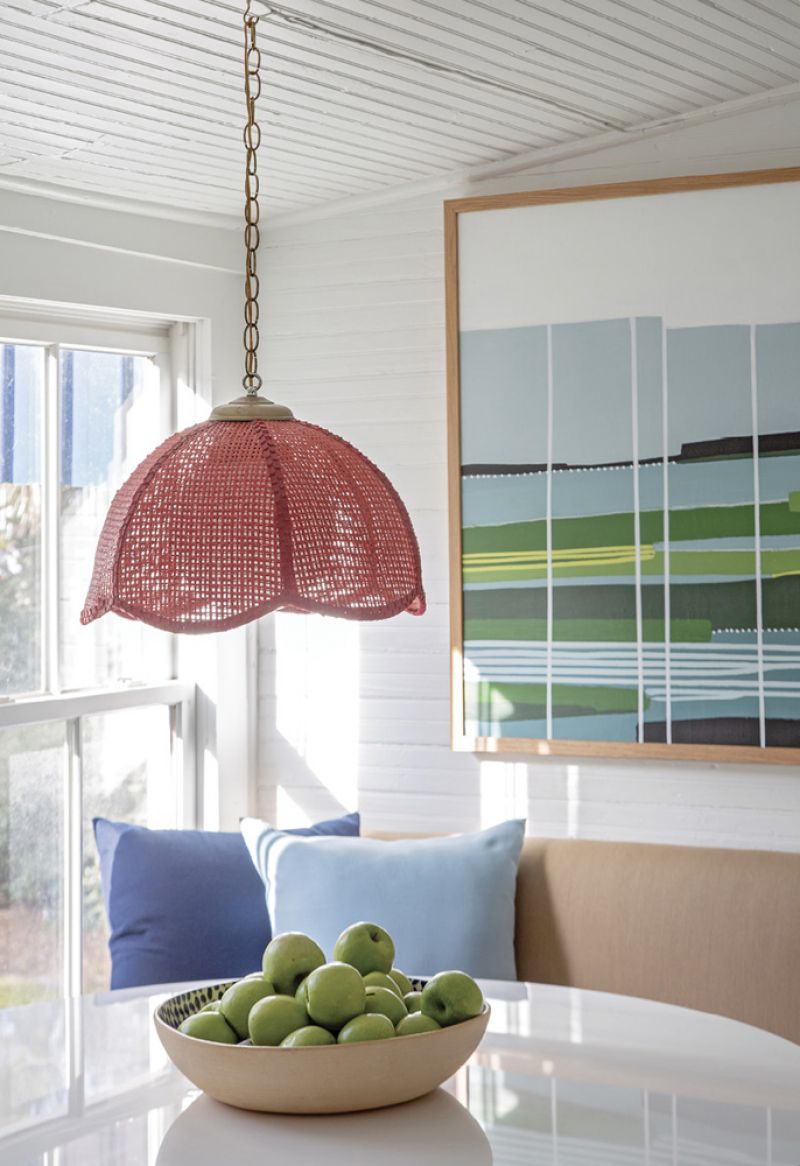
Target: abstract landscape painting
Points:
(631, 555)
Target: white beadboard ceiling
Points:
(141, 99)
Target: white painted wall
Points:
(55, 250)
(358, 715)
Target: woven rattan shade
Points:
(229, 520)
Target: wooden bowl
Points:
(315, 1079)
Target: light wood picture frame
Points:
(623, 380)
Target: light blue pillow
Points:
(446, 902)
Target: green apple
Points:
(416, 1022)
(386, 1003)
(451, 997)
(370, 1026)
(381, 980)
(300, 994)
(209, 1026)
(413, 1001)
(254, 976)
(288, 959)
(402, 981)
(366, 946)
(212, 1007)
(272, 1018)
(335, 994)
(310, 1034)
(237, 1001)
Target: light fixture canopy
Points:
(252, 510)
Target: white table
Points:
(563, 1078)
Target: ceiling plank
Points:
(142, 99)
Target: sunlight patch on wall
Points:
(504, 791)
(289, 814)
(317, 709)
(210, 815)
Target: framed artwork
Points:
(624, 435)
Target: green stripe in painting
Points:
(794, 501)
(775, 563)
(502, 702)
(724, 605)
(613, 530)
(689, 631)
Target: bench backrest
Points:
(711, 929)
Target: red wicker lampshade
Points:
(228, 520)
(252, 510)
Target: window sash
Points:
(53, 335)
(139, 337)
(71, 709)
(145, 337)
(32, 710)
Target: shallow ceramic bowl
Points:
(321, 1079)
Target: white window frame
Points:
(164, 341)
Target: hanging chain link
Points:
(252, 140)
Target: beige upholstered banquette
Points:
(715, 930)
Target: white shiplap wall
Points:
(359, 714)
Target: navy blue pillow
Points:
(185, 904)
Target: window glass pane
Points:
(125, 1140)
(110, 420)
(116, 1058)
(32, 784)
(21, 381)
(127, 776)
(34, 1069)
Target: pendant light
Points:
(252, 510)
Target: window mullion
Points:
(73, 862)
(51, 518)
(184, 767)
(162, 368)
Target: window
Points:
(93, 720)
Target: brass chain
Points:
(252, 140)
